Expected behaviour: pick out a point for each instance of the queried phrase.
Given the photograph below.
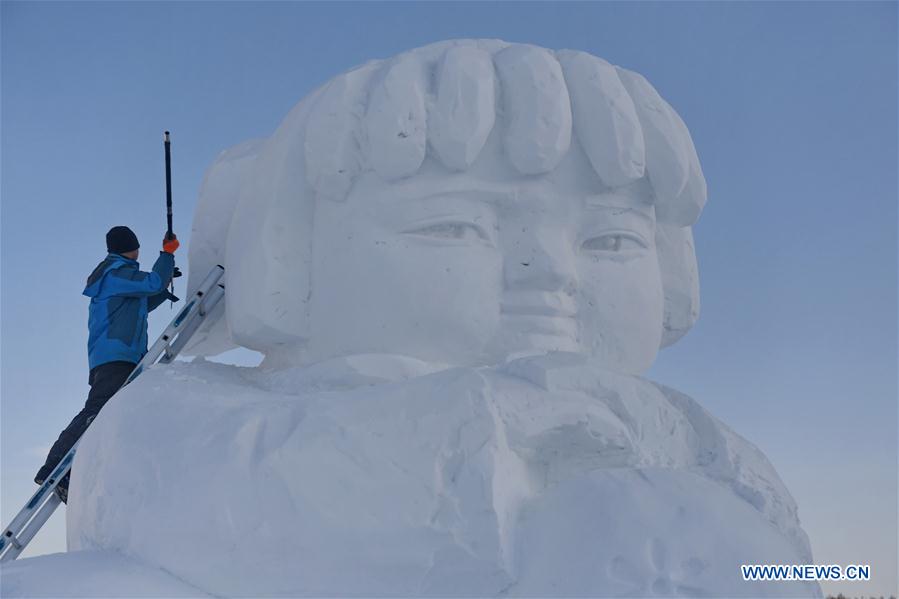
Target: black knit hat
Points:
(120, 240)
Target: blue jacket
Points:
(121, 297)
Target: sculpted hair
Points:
(441, 104)
(444, 101)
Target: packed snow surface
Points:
(544, 476)
(89, 574)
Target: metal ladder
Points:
(44, 502)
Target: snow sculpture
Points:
(518, 212)
(456, 261)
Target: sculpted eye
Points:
(614, 242)
(454, 231)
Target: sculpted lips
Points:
(540, 313)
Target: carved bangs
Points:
(387, 116)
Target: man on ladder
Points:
(121, 297)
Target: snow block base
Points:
(544, 476)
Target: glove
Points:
(176, 273)
(170, 245)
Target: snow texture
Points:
(457, 263)
(604, 112)
(89, 574)
(543, 476)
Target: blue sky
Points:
(792, 107)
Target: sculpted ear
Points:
(218, 199)
(680, 280)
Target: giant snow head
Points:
(459, 203)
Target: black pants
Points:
(104, 380)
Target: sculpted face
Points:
(461, 270)
(464, 202)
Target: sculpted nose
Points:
(543, 260)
